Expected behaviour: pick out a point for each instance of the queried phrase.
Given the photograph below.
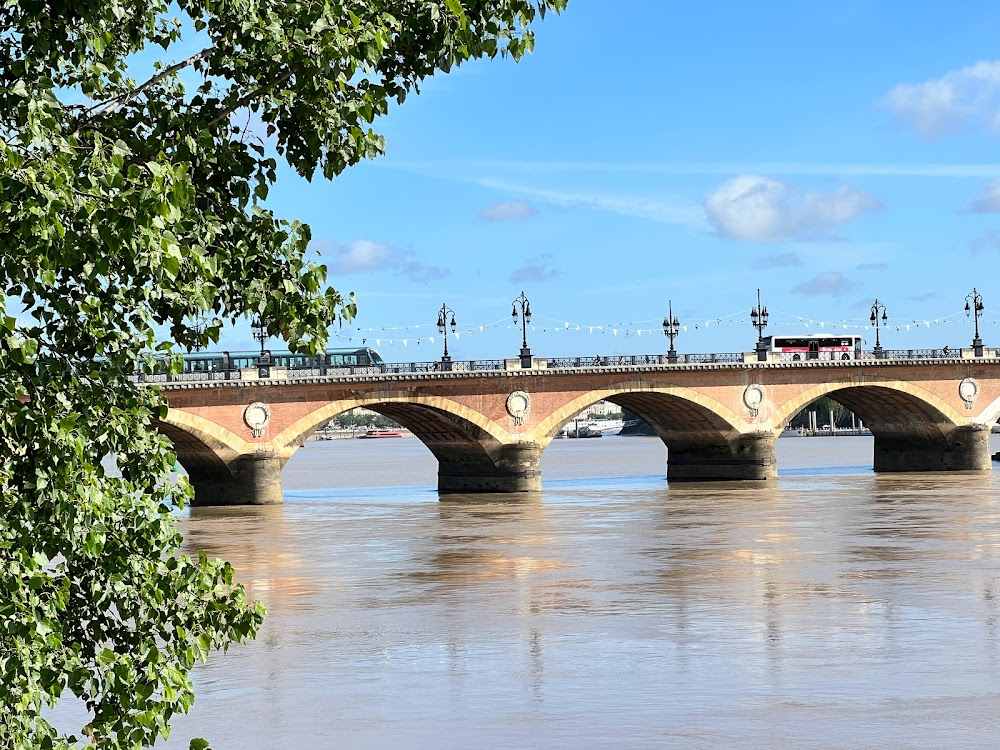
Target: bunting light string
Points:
(634, 328)
(416, 340)
(418, 326)
(628, 328)
(898, 324)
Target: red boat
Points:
(380, 432)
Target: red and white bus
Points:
(816, 346)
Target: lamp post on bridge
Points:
(671, 329)
(525, 319)
(442, 324)
(876, 309)
(975, 309)
(199, 325)
(260, 334)
(758, 319)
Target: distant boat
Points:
(381, 432)
(606, 426)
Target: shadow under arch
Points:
(702, 436)
(914, 430)
(474, 453)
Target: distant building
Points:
(600, 409)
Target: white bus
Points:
(815, 346)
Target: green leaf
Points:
(125, 207)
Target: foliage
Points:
(131, 204)
(364, 419)
(641, 426)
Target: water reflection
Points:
(837, 611)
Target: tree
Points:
(131, 203)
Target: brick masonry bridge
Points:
(488, 428)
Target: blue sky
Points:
(827, 153)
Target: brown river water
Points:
(831, 609)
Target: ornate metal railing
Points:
(483, 365)
(867, 356)
(918, 353)
(702, 359)
(162, 377)
(556, 363)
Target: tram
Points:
(199, 362)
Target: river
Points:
(831, 609)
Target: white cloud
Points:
(831, 283)
(988, 200)
(508, 211)
(760, 209)
(540, 269)
(367, 256)
(966, 97)
(361, 256)
(643, 208)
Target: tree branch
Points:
(111, 105)
(246, 99)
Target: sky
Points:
(825, 153)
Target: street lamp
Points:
(877, 308)
(442, 324)
(758, 319)
(671, 329)
(199, 325)
(976, 309)
(525, 319)
(260, 334)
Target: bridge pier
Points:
(250, 480)
(516, 468)
(748, 457)
(963, 449)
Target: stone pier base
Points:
(750, 457)
(517, 468)
(965, 449)
(250, 480)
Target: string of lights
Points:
(380, 335)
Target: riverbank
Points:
(347, 434)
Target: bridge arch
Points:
(474, 453)
(665, 408)
(914, 429)
(704, 438)
(886, 403)
(223, 468)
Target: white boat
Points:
(606, 426)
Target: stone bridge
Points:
(488, 429)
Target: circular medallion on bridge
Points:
(968, 389)
(518, 404)
(753, 397)
(257, 415)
